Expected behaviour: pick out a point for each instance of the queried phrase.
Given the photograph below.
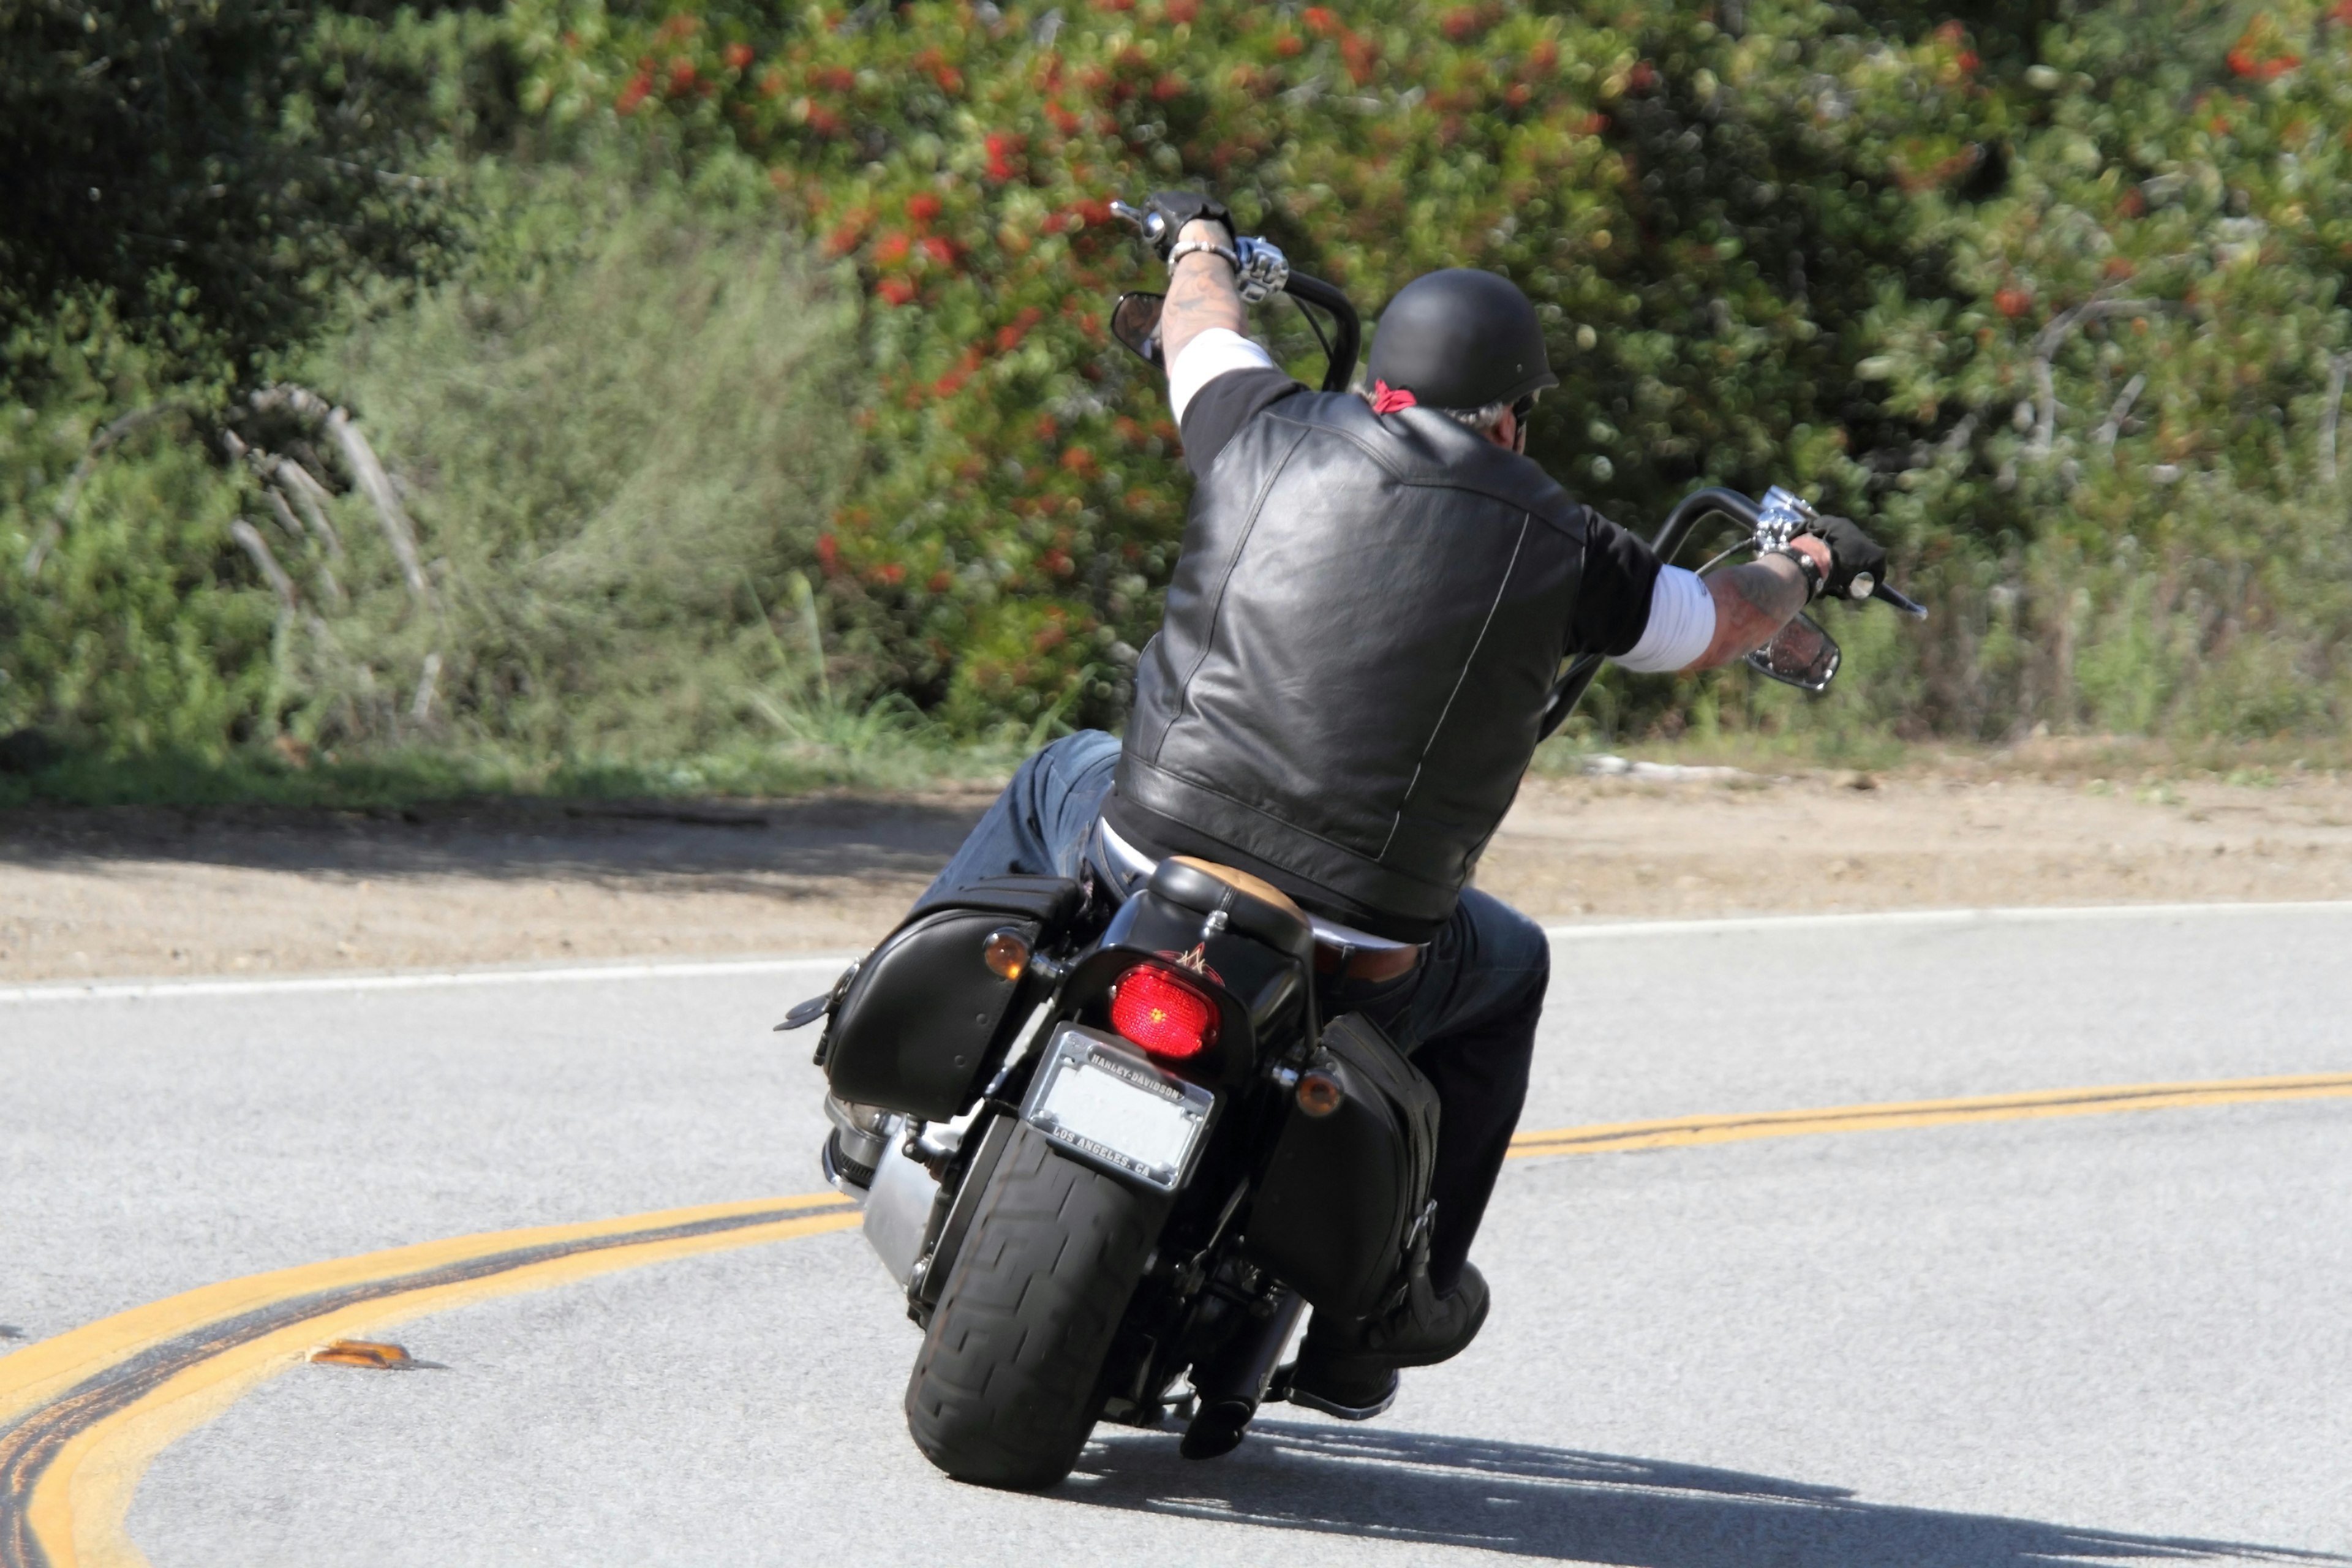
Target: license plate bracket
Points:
(1102, 1103)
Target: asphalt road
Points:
(2117, 1338)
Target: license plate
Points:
(1104, 1103)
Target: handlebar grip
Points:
(1901, 601)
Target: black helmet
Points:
(1461, 339)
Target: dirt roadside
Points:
(150, 893)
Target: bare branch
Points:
(283, 513)
(2052, 338)
(420, 707)
(308, 494)
(373, 480)
(249, 537)
(387, 176)
(2337, 369)
(2120, 411)
(54, 527)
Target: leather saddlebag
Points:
(925, 1021)
(1345, 1194)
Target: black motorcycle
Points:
(1101, 1131)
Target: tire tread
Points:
(1004, 1391)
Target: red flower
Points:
(923, 207)
(836, 78)
(1643, 76)
(941, 581)
(1288, 43)
(2012, 302)
(891, 249)
(1060, 564)
(738, 56)
(633, 94)
(891, 573)
(1183, 11)
(1462, 23)
(1000, 146)
(1969, 61)
(1008, 338)
(1167, 86)
(681, 75)
(940, 248)
(828, 555)
(1320, 22)
(895, 291)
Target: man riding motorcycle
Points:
(1375, 594)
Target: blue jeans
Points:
(1467, 1012)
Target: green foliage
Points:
(1777, 241)
(620, 435)
(142, 624)
(2049, 294)
(215, 169)
(616, 438)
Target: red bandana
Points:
(1386, 399)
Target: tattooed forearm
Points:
(1752, 603)
(1201, 295)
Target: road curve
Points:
(1960, 1340)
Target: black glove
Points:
(1853, 553)
(1177, 208)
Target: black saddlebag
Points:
(1344, 1193)
(924, 1020)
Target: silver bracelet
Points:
(1807, 567)
(1204, 247)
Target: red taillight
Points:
(1161, 1014)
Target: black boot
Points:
(1348, 1369)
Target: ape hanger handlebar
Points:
(1810, 659)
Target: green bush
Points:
(143, 625)
(1907, 262)
(621, 433)
(616, 438)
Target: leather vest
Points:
(1368, 614)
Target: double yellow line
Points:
(1686, 1131)
(82, 1414)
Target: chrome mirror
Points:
(1135, 321)
(1801, 655)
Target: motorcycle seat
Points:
(1252, 905)
(1125, 868)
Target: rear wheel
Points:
(1005, 1391)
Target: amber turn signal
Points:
(1319, 1093)
(1006, 953)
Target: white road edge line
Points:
(2019, 915)
(687, 969)
(416, 980)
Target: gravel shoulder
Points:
(145, 892)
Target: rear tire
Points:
(1003, 1393)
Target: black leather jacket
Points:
(1367, 618)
